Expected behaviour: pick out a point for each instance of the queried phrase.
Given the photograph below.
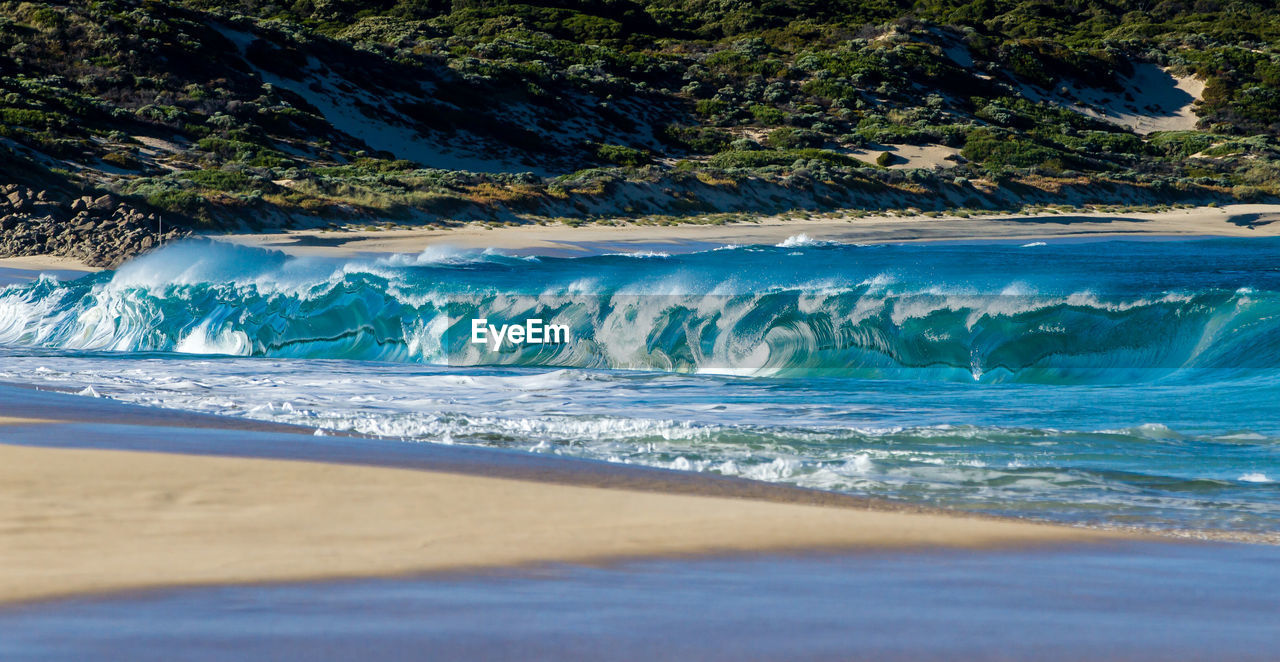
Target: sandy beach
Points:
(1227, 221)
(1255, 220)
(79, 521)
(43, 263)
(22, 269)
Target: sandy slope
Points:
(372, 119)
(83, 521)
(1151, 99)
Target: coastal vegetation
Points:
(272, 113)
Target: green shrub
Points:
(176, 200)
(122, 160)
(789, 138)
(221, 180)
(709, 107)
(622, 155)
(766, 115)
(704, 140)
(997, 151)
(30, 118)
(1179, 144)
(779, 157)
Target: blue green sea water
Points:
(1107, 382)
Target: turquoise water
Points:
(1113, 383)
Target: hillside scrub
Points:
(278, 112)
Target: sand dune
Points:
(1152, 99)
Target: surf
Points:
(675, 316)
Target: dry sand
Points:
(1232, 221)
(1257, 220)
(78, 521)
(1153, 100)
(43, 263)
(910, 156)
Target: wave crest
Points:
(221, 299)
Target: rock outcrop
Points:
(100, 231)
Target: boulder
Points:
(18, 201)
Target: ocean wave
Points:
(802, 240)
(222, 299)
(640, 254)
(444, 254)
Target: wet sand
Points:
(83, 519)
(1134, 601)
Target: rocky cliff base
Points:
(101, 232)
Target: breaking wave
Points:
(211, 298)
(1116, 383)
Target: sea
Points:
(1112, 383)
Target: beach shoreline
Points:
(97, 515)
(1243, 220)
(588, 239)
(27, 268)
(146, 498)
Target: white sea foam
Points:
(802, 239)
(641, 254)
(439, 254)
(206, 338)
(709, 424)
